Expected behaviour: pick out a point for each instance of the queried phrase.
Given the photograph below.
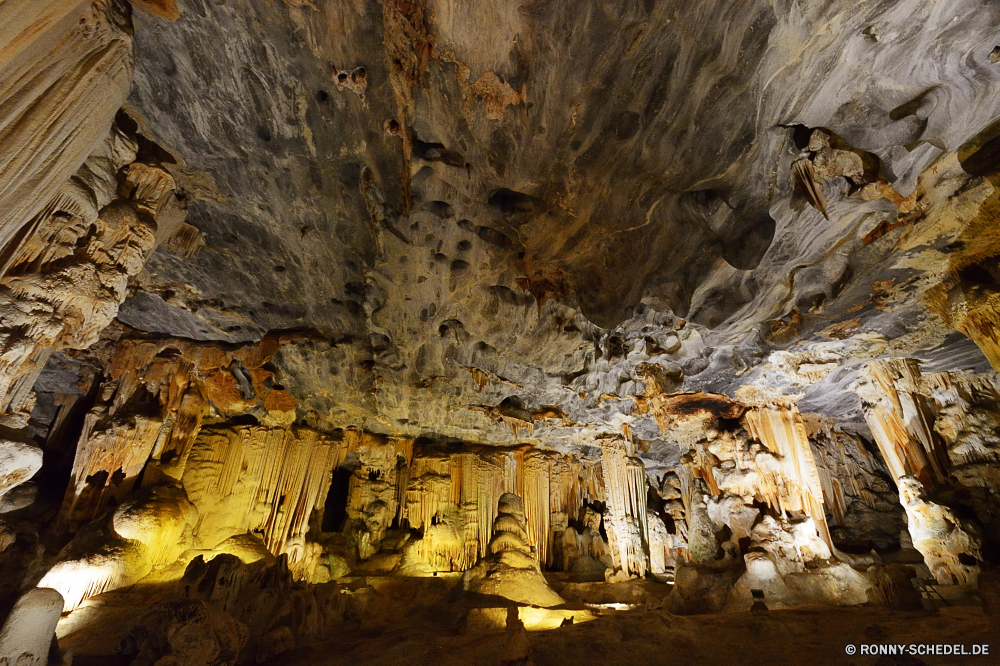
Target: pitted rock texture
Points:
(465, 218)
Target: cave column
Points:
(779, 426)
(625, 487)
(903, 424)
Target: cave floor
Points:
(640, 636)
(393, 620)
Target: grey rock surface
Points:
(558, 193)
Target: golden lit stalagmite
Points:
(509, 569)
(449, 498)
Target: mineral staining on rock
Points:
(315, 314)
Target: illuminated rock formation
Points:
(153, 528)
(787, 475)
(26, 636)
(66, 67)
(310, 309)
(901, 421)
(18, 463)
(933, 437)
(510, 570)
(451, 499)
(151, 410)
(262, 480)
(771, 462)
(861, 502)
(67, 281)
(374, 492)
(627, 520)
(949, 545)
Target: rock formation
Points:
(27, 634)
(510, 570)
(18, 462)
(314, 314)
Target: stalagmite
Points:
(951, 547)
(510, 570)
(26, 636)
(930, 430)
(153, 528)
(702, 542)
(449, 498)
(345, 331)
(674, 522)
(373, 494)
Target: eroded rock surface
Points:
(312, 311)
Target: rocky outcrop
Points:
(18, 463)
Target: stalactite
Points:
(149, 529)
(850, 473)
(537, 503)
(374, 485)
(61, 82)
(461, 489)
(263, 480)
(625, 482)
(938, 439)
(790, 481)
(152, 405)
(480, 378)
(111, 453)
(901, 421)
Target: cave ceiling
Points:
(460, 214)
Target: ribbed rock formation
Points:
(510, 570)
